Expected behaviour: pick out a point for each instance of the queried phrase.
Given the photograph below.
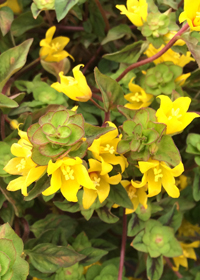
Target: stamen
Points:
(96, 181)
(158, 174)
(68, 172)
(21, 165)
(131, 192)
(55, 46)
(110, 149)
(175, 113)
(136, 97)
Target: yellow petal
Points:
(180, 261)
(49, 34)
(82, 176)
(69, 189)
(168, 183)
(114, 180)
(154, 187)
(178, 170)
(89, 197)
(182, 17)
(103, 190)
(16, 184)
(146, 165)
(19, 151)
(94, 165)
(61, 41)
(53, 166)
(56, 183)
(188, 118)
(34, 175)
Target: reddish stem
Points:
(106, 119)
(171, 266)
(96, 96)
(155, 56)
(92, 59)
(3, 136)
(71, 28)
(123, 246)
(103, 15)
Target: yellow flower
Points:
(101, 183)
(170, 55)
(104, 150)
(75, 88)
(182, 182)
(53, 49)
(23, 165)
(188, 229)
(188, 252)
(167, 37)
(136, 195)
(68, 175)
(136, 11)
(138, 98)
(13, 5)
(158, 174)
(174, 114)
(191, 14)
(182, 78)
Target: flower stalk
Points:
(123, 246)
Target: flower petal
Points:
(89, 197)
(56, 183)
(16, 184)
(83, 177)
(69, 189)
(103, 190)
(33, 175)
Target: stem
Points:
(96, 104)
(106, 119)
(3, 136)
(48, 16)
(155, 56)
(92, 59)
(71, 28)
(30, 65)
(103, 15)
(123, 246)
(96, 96)
(171, 266)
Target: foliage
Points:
(100, 146)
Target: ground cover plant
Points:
(100, 139)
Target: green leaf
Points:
(12, 60)
(117, 32)
(193, 46)
(92, 255)
(52, 221)
(154, 268)
(112, 93)
(106, 216)
(48, 258)
(41, 185)
(92, 132)
(196, 184)
(129, 54)
(135, 225)
(62, 7)
(7, 232)
(138, 244)
(102, 244)
(25, 22)
(6, 19)
(167, 151)
(6, 102)
(172, 218)
(119, 195)
(67, 206)
(20, 269)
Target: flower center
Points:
(95, 179)
(21, 165)
(131, 192)
(68, 172)
(136, 97)
(158, 174)
(56, 46)
(175, 113)
(109, 149)
(135, 9)
(158, 239)
(196, 20)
